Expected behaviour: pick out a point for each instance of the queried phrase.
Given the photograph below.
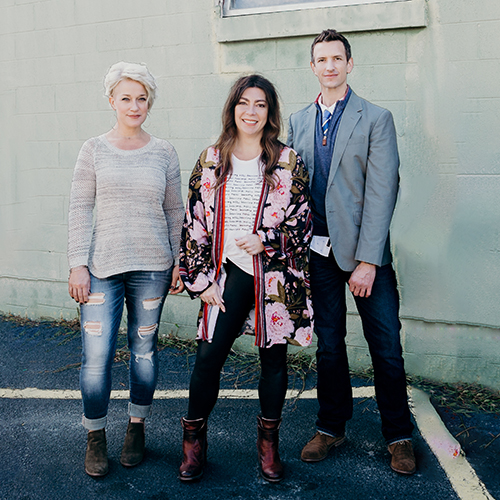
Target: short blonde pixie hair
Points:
(130, 71)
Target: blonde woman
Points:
(129, 181)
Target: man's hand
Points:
(362, 278)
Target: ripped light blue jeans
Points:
(144, 294)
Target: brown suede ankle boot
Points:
(96, 456)
(194, 449)
(134, 445)
(267, 448)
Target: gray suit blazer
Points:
(363, 181)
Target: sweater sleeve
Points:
(81, 206)
(172, 205)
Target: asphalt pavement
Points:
(42, 441)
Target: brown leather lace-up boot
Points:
(403, 458)
(319, 445)
(194, 448)
(267, 447)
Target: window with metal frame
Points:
(246, 7)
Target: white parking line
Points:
(34, 393)
(461, 475)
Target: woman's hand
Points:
(251, 243)
(213, 297)
(79, 284)
(177, 284)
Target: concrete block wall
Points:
(437, 71)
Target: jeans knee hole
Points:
(148, 357)
(95, 299)
(150, 304)
(146, 331)
(93, 328)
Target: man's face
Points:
(331, 65)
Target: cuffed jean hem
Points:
(392, 441)
(94, 424)
(139, 411)
(330, 433)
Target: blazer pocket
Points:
(357, 218)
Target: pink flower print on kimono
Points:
(278, 199)
(303, 336)
(198, 231)
(272, 279)
(203, 281)
(207, 183)
(278, 323)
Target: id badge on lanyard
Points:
(321, 245)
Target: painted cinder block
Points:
(171, 29)
(118, 35)
(293, 53)
(382, 47)
(8, 44)
(69, 96)
(453, 353)
(54, 14)
(36, 99)
(243, 57)
(96, 11)
(188, 60)
(17, 18)
(75, 40)
(31, 44)
(460, 10)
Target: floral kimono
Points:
(282, 311)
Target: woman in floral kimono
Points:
(244, 252)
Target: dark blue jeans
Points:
(381, 326)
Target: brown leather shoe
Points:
(267, 447)
(318, 447)
(194, 448)
(96, 456)
(134, 445)
(403, 458)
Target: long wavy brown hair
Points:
(271, 146)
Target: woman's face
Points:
(130, 100)
(250, 114)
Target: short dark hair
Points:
(331, 36)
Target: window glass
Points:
(243, 7)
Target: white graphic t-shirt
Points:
(243, 191)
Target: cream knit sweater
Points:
(138, 208)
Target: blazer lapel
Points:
(350, 117)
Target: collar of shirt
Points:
(331, 109)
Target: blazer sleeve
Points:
(381, 189)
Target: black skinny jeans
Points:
(210, 358)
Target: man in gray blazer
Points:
(349, 146)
